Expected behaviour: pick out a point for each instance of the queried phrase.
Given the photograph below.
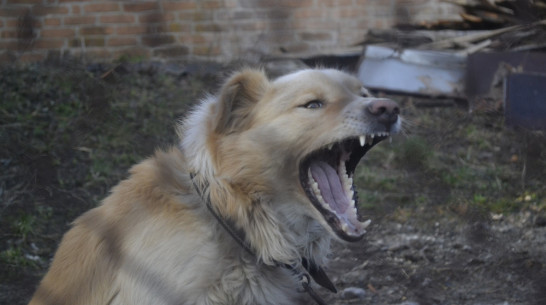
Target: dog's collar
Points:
(312, 270)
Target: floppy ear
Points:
(237, 99)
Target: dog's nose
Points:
(386, 111)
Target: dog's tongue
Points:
(330, 186)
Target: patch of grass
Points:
(414, 152)
(453, 159)
(71, 136)
(14, 257)
(24, 225)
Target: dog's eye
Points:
(314, 104)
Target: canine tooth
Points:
(362, 140)
(366, 223)
(344, 227)
(330, 146)
(353, 203)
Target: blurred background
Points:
(457, 200)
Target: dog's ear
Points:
(237, 99)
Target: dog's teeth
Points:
(321, 200)
(362, 140)
(353, 203)
(366, 223)
(344, 227)
(330, 146)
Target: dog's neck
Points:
(305, 269)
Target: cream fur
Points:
(152, 241)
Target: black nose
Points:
(386, 111)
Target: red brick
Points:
(132, 30)
(212, 4)
(206, 50)
(52, 21)
(101, 7)
(117, 19)
(121, 41)
(275, 14)
(192, 39)
(12, 23)
(277, 3)
(140, 6)
(315, 24)
(315, 36)
(208, 28)
(238, 15)
(157, 40)
(96, 30)
(352, 12)
(24, 1)
(336, 3)
(76, 9)
(88, 42)
(12, 11)
(42, 10)
(79, 20)
(48, 43)
(177, 27)
(155, 17)
(9, 34)
(9, 45)
(196, 16)
(57, 33)
(307, 13)
(178, 6)
(174, 51)
(250, 26)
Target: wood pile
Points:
(485, 25)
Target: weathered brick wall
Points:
(32, 30)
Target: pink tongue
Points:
(330, 186)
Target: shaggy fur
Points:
(153, 241)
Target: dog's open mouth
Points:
(327, 178)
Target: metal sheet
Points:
(525, 101)
(432, 73)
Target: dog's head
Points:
(297, 140)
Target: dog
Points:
(242, 210)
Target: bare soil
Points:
(457, 202)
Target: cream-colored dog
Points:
(242, 211)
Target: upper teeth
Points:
(363, 139)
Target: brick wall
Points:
(219, 30)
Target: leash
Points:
(313, 270)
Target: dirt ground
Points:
(457, 202)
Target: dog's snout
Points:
(386, 111)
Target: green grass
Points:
(70, 136)
(449, 159)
